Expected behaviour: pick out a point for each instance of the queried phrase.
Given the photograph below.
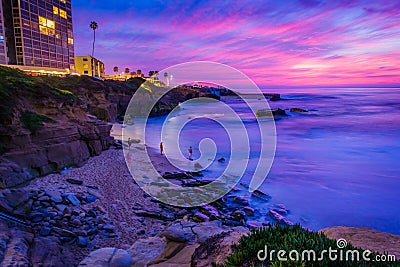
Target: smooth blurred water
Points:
(337, 164)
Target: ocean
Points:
(337, 164)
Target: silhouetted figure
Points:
(190, 153)
(129, 143)
(161, 148)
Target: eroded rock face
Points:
(52, 149)
(68, 121)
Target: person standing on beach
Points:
(190, 153)
(129, 143)
(161, 148)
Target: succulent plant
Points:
(288, 238)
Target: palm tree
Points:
(93, 26)
(126, 71)
(116, 70)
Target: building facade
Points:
(3, 49)
(38, 33)
(87, 65)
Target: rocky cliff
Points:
(49, 123)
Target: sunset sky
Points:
(275, 43)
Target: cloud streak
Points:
(289, 43)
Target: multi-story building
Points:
(3, 50)
(37, 33)
(88, 65)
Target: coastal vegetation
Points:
(33, 121)
(294, 238)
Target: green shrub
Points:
(33, 121)
(65, 95)
(290, 238)
(13, 80)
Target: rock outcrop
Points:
(181, 244)
(366, 238)
(22, 248)
(107, 257)
(50, 149)
(49, 123)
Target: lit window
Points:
(50, 24)
(70, 41)
(44, 30)
(85, 66)
(46, 26)
(42, 21)
(63, 1)
(55, 10)
(63, 14)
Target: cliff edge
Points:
(49, 123)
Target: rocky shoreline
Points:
(99, 207)
(96, 206)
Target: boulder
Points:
(300, 110)
(47, 251)
(241, 201)
(200, 217)
(73, 199)
(261, 195)
(107, 257)
(179, 233)
(277, 112)
(15, 202)
(216, 249)
(207, 229)
(54, 196)
(276, 216)
(143, 251)
(12, 174)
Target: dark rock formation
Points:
(273, 97)
(300, 110)
(50, 149)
